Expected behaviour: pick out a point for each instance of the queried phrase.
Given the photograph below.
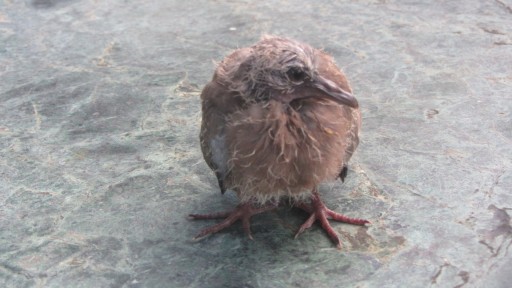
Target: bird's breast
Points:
(276, 149)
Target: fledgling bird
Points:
(279, 118)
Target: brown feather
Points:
(264, 147)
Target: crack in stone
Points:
(495, 182)
(501, 43)
(503, 228)
(103, 60)
(464, 275)
(37, 117)
(505, 6)
(492, 31)
(438, 273)
(20, 271)
(491, 249)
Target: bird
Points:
(278, 119)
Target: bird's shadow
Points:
(311, 257)
(274, 249)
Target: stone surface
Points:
(100, 161)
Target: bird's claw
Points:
(318, 211)
(242, 212)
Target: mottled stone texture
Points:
(100, 160)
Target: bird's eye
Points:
(295, 74)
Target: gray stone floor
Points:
(100, 162)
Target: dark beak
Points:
(332, 91)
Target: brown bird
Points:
(279, 118)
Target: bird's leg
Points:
(242, 212)
(318, 211)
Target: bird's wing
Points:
(353, 133)
(351, 115)
(354, 116)
(218, 103)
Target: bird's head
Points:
(286, 70)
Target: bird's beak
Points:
(332, 91)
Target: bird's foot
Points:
(318, 211)
(242, 212)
